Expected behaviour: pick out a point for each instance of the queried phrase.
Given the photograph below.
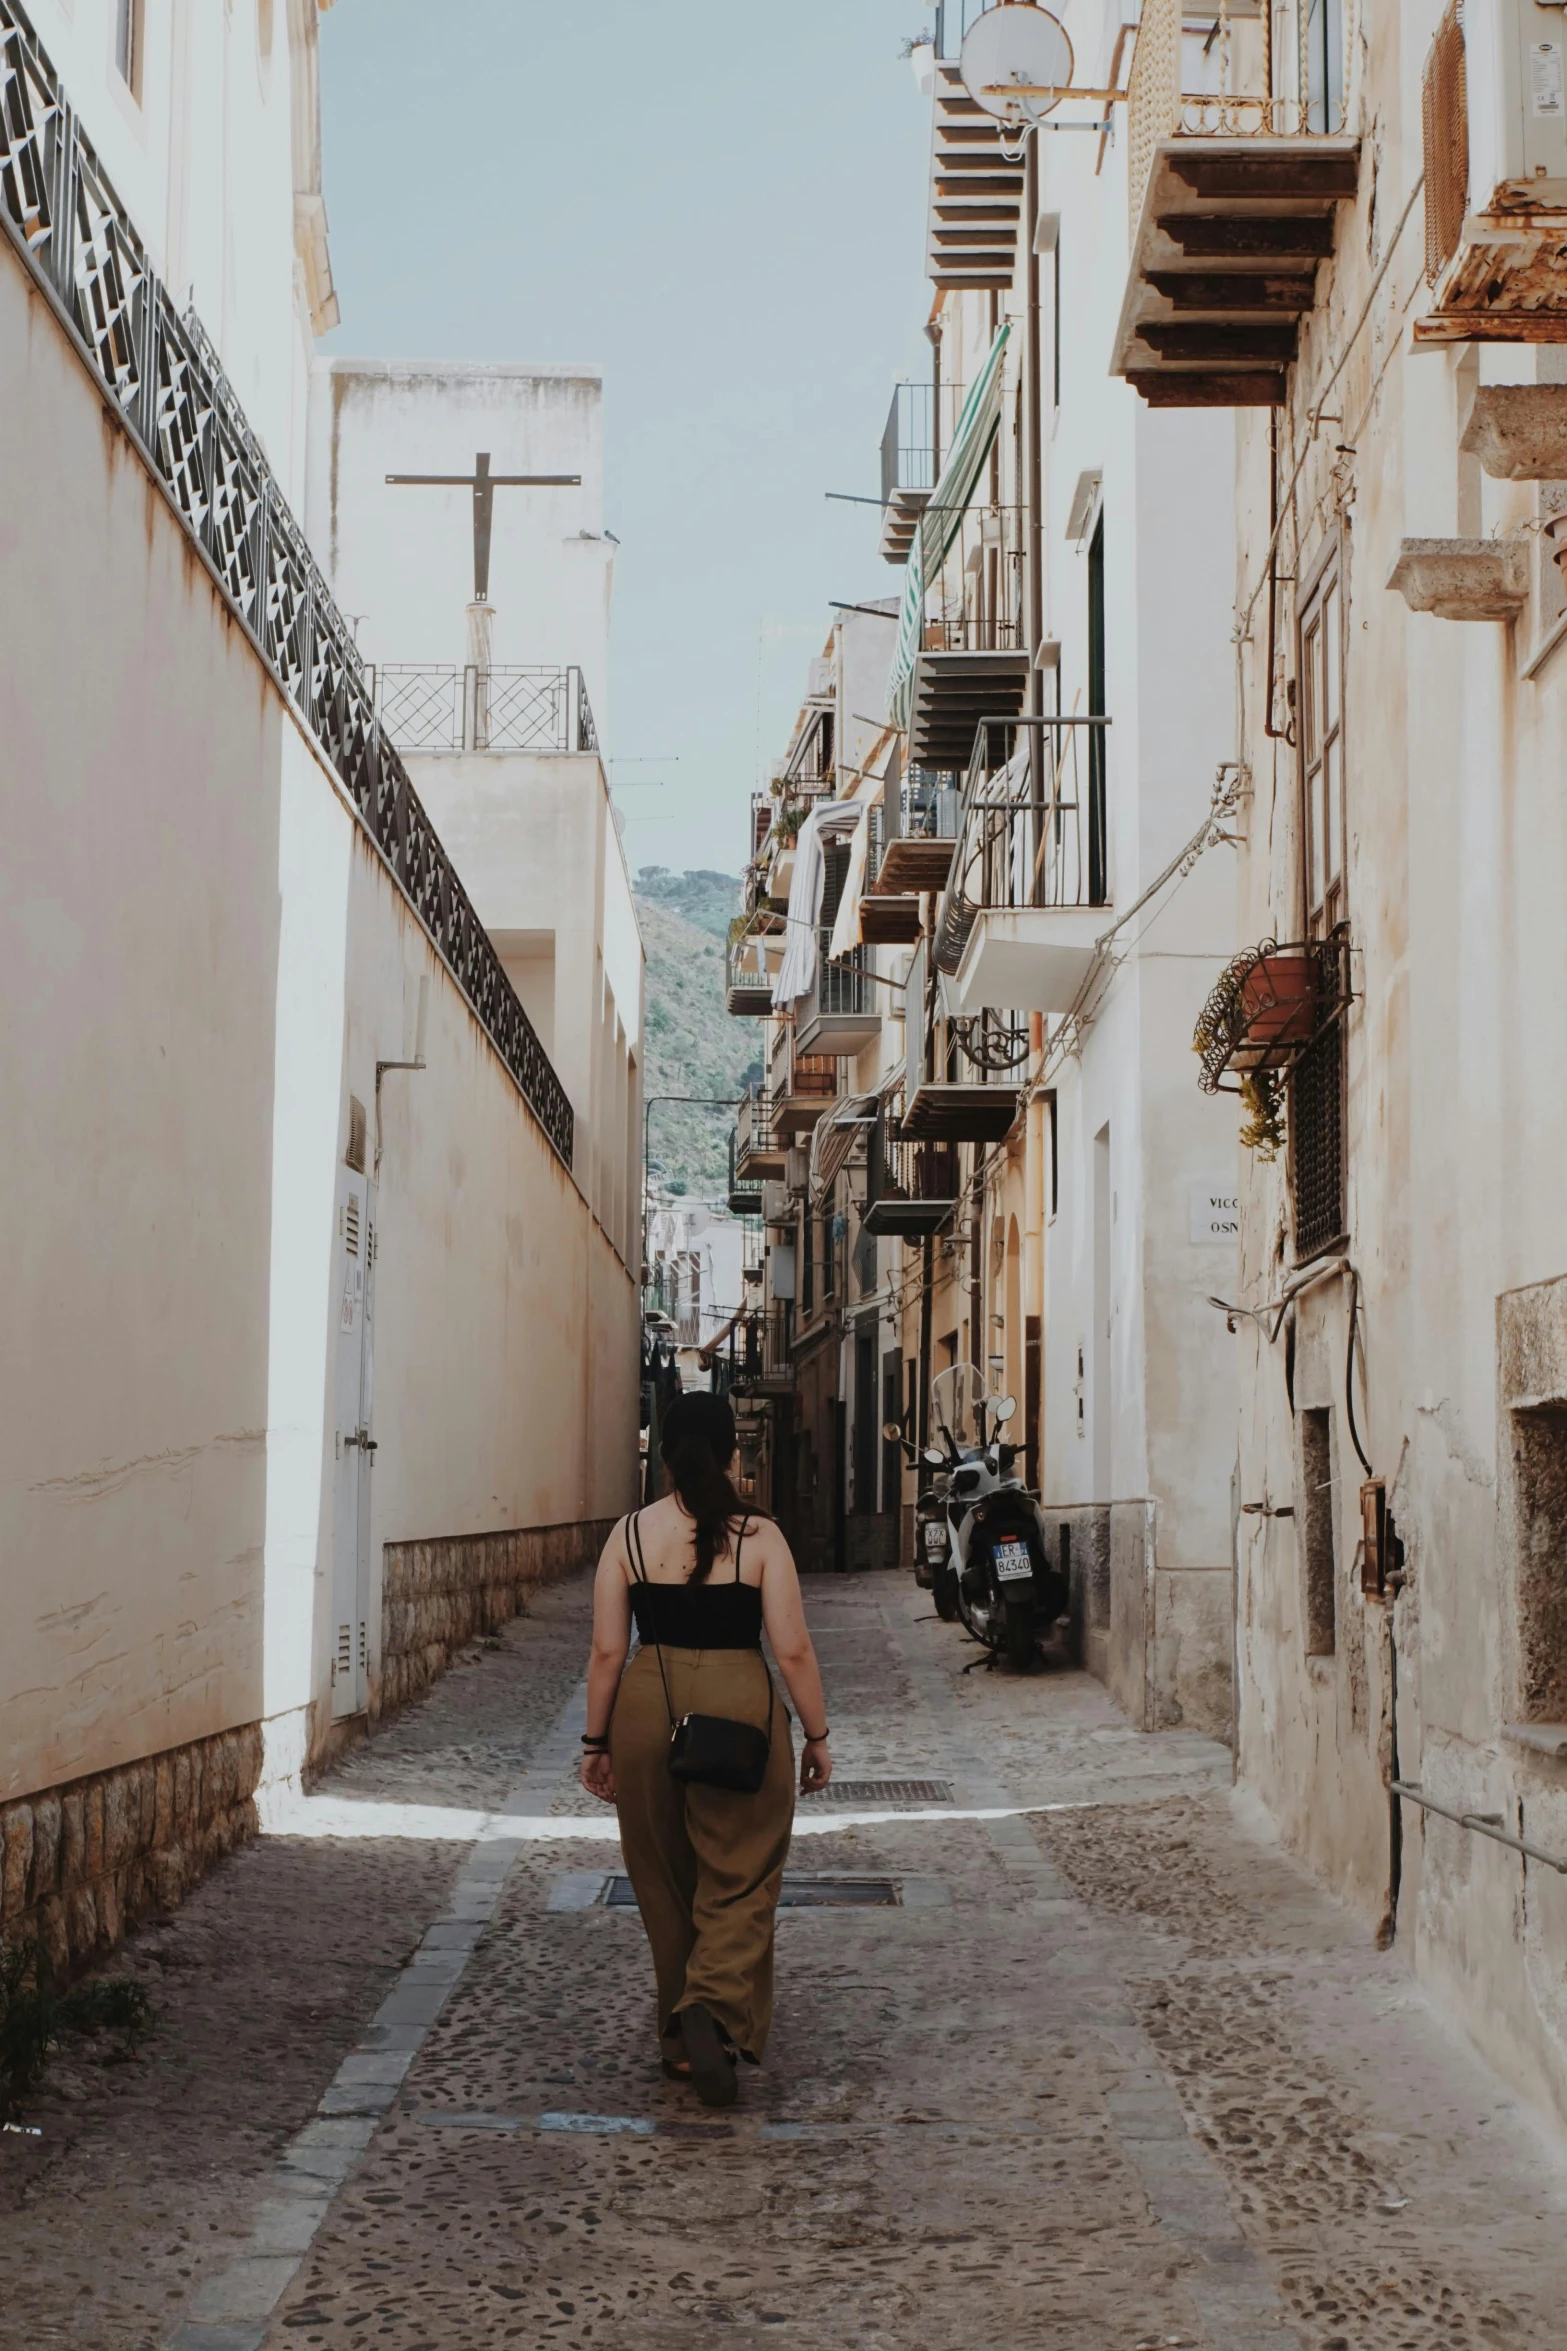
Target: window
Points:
(1098, 829)
(1322, 755)
(1317, 1081)
(1539, 1470)
(128, 25)
(1315, 1527)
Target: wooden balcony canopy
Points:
(944, 1113)
(976, 192)
(951, 692)
(911, 863)
(893, 920)
(1224, 264)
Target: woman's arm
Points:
(783, 1613)
(606, 1659)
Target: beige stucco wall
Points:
(1456, 1135)
(205, 959)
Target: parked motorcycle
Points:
(1007, 1592)
(934, 1569)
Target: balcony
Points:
(1020, 919)
(803, 1086)
(911, 1188)
(1232, 193)
(976, 193)
(949, 1111)
(972, 663)
(908, 467)
(916, 853)
(760, 1150)
(751, 960)
(840, 1016)
(516, 709)
(745, 1185)
(757, 1354)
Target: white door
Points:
(355, 1447)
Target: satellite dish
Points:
(1015, 42)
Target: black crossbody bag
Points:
(711, 1750)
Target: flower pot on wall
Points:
(1278, 1006)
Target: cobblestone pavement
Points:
(1110, 2075)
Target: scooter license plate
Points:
(935, 1539)
(1013, 1565)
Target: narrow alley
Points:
(1097, 2065)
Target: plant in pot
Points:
(1262, 1096)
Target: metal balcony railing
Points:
(748, 981)
(755, 1135)
(166, 386)
(844, 986)
(745, 1189)
(525, 708)
(977, 601)
(1211, 73)
(908, 443)
(1030, 832)
(759, 1348)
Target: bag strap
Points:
(634, 1546)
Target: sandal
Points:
(712, 2068)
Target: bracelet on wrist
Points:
(597, 1746)
(820, 1739)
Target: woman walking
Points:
(691, 1745)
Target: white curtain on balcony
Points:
(797, 972)
(942, 518)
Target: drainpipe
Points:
(1034, 1229)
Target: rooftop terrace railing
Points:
(532, 707)
(167, 386)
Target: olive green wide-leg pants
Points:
(705, 1864)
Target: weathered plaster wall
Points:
(1455, 1141)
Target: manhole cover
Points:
(881, 1792)
(799, 1893)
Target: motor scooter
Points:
(1007, 1592)
(934, 1570)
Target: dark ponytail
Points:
(698, 1445)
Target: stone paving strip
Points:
(233, 2309)
(1231, 2287)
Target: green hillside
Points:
(693, 1045)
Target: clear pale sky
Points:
(722, 203)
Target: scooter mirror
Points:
(891, 1431)
(1003, 1409)
(936, 1459)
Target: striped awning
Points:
(940, 522)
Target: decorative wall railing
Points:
(525, 708)
(168, 387)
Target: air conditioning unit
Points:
(1494, 123)
(797, 1169)
(777, 1204)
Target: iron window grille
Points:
(168, 388)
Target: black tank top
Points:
(694, 1616)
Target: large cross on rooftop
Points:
(484, 485)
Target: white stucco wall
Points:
(403, 557)
(203, 162)
(206, 959)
